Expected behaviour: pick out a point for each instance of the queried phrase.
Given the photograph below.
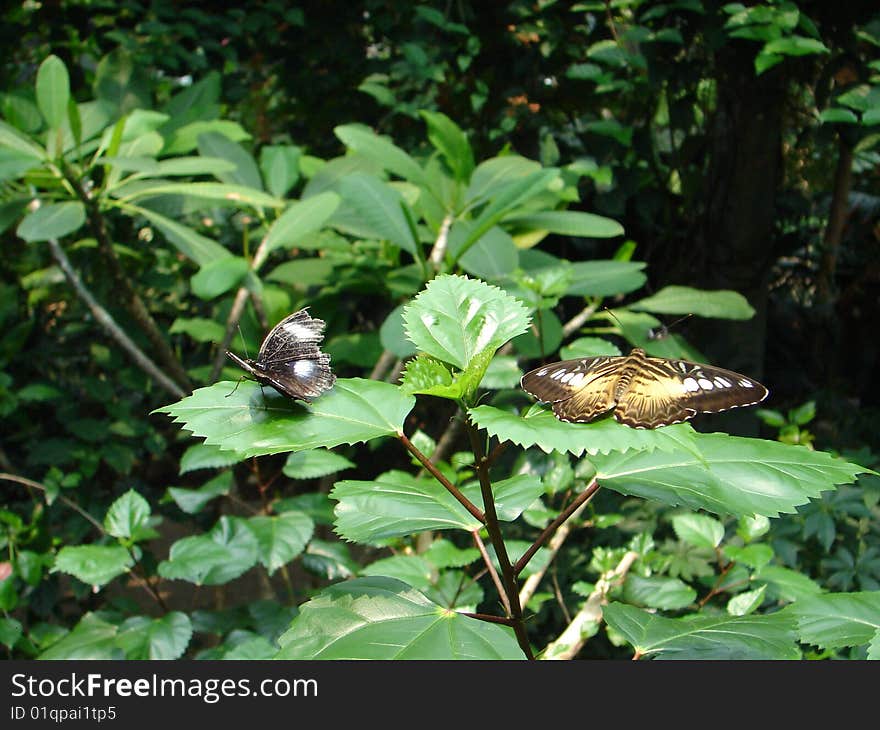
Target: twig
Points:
(580, 501)
(122, 285)
(434, 472)
(492, 526)
(490, 567)
(579, 320)
(488, 617)
(438, 252)
(586, 621)
(563, 531)
(113, 330)
(385, 361)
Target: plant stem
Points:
(576, 504)
(489, 618)
(434, 472)
(492, 526)
(106, 321)
(481, 546)
(122, 285)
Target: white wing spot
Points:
(683, 367)
(690, 384)
(565, 378)
(705, 384)
(558, 374)
(745, 383)
(299, 331)
(721, 382)
(542, 372)
(304, 368)
(577, 379)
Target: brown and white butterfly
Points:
(645, 392)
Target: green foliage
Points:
(429, 259)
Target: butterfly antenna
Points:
(614, 317)
(243, 343)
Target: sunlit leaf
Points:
(837, 620)
(723, 303)
(281, 537)
(93, 564)
(705, 637)
(255, 421)
(383, 618)
(167, 637)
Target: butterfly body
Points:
(643, 391)
(290, 360)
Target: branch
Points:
(577, 503)
(122, 284)
(564, 530)
(492, 526)
(434, 472)
(113, 330)
(383, 364)
(586, 622)
(438, 252)
(481, 546)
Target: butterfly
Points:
(289, 359)
(645, 392)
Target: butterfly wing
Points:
(289, 358)
(671, 391)
(295, 336)
(580, 390)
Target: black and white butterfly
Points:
(645, 392)
(289, 359)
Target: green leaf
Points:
(382, 618)
(127, 516)
(193, 500)
(203, 456)
(568, 223)
(528, 345)
(12, 138)
(698, 530)
(443, 554)
(167, 637)
(503, 372)
(392, 334)
(331, 560)
(378, 208)
(281, 538)
(10, 632)
(668, 594)
(218, 277)
(726, 475)
(246, 172)
(280, 167)
(314, 463)
(539, 427)
(193, 245)
(185, 139)
(452, 143)
(53, 91)
(605, 278)
(837, 620)
(742, 604)
(705, 637)
(492, 256)
(92, 638)
(238, 195)
(96, 565)
(795, 45)
(54, 220)
(199, 329)
(300, 219)
(588, 347)
(395, 504)
(224, 553)
(253, 421)
(414, 570)
(13, 164)
(364, 141)
(722, 303)
(456, 318)
(785, 584)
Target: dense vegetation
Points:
(461, 193)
